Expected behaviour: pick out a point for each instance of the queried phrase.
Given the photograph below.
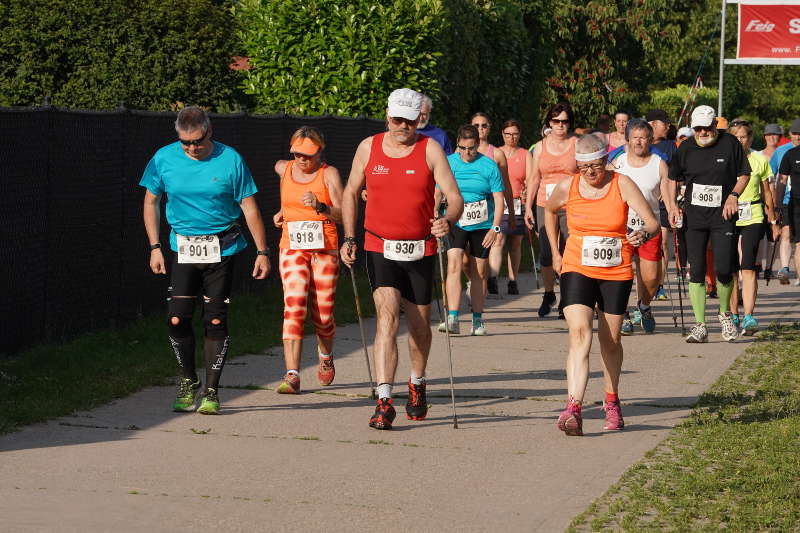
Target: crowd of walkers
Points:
(610, 212)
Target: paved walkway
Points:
(310, 462)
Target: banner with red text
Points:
(769, 29)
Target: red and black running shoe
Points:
(384, 414)
(417, 404)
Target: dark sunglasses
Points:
(482, 126)
(467, 149)
(400, 120)
(740, 123)
(196, 142)
(698, 129)
(559, 121)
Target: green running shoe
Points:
(637, 317)
(627, 325)
(187, 393)
(210, 403)
(749, 325)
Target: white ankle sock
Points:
(417, 380)
(384, 390)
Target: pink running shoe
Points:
(289, 385)
(571, 422)
(614, 419)
(326, 371)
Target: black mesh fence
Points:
(74, 252)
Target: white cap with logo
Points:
(703, 116)
(405, 103)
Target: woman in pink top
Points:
(615, 139)
(481, 121)
(520, 165)
(553, 161)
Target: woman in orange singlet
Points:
(311, 196)
(595, 270)
(553, 161)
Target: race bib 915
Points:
(635, 222)
(306, 235)
(198, 249)
(474, 213)
(403, 250)
(707, 195)
(601, 251)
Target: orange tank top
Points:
(553, 169)
(588, 221)
(294, 210)
(516, 171)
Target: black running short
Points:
(202, 279)
(722, 234)
(793, 218)
(750, 237)
(469, 241)
(414, 279)
(610, 296)
(663, 215)
(545, 255)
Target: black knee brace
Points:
(182, 309)
(215, 309)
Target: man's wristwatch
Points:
(155, 246)
(322, 207)
(735, 194)
(263, 252)
(350, 241)
(496, 229)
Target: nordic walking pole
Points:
(665, 261)
(363, 335)
(533, 256)
(447, 331)
(775, 246)
(679, 269)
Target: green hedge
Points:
(344, 57)
(149, 54)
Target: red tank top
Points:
(399, 197)
(596, 217)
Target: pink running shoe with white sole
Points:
(571, 422)
(614, 420)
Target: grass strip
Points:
(733, 465)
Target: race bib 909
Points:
(601, 251)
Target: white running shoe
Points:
(698, 334)
(729, 332)
(452, 321)
(478, 328)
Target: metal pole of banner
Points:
(721, 59)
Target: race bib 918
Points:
(474, 213)
(707, 195)
(306, 235)
(198, 249)
(601, 251)
(403, 250)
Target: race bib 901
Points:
(601, 251)
(474, 213)
(198, 249)
(707, 195)
(306, 235)
(403, 250)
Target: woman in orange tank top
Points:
(311, 195)
(595, 271)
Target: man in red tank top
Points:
(401, 169)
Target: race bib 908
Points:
(198, 249)
(707, 195)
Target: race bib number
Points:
(601, 251)
(403, 250)
(517, 207)
(306, 235)
(745, 211)
(198, 249)
(474, 213)
(635, 222)
(548, 190)
(707, 195)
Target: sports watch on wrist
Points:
(262, 252)
(496, 229)
(155, 246)
(735, 194)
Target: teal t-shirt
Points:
(477, 181)
(203, 197)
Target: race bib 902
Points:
(306, 235)
(403, 250)
(198, 249)
(474, 213)
(601, 251)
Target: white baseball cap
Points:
(703, 116)
(405, 103)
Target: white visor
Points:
(590, 157)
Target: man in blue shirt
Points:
(208, 187)
(788, 212)
(426, 128)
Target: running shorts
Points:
(414, 279)
(518, 230)
(469, 241)
(722, 235)
(793, 212)
(750, 236)
(610, 296)
(650, 250)
(663, 215)
(212, 280)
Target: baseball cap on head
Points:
(795, 128)
(773, 129)
(405, 103)
(657, 114)
(703, 116)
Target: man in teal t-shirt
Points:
(208, 187)
(481, 185)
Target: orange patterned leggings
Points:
(308, 274)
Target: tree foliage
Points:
(149, 54)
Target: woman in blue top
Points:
(480, 183)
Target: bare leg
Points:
(514, 255)
(478, 277)
(579, 321)
(785, 248)
(548, 279)
(648, 280)
(419, 336)
(608, 331)
(797, 259)
(496, 256)
(387, 310)
(453, 284)
(291, 353)
(749, 290)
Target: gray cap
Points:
(795, 126)
(773, 129)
